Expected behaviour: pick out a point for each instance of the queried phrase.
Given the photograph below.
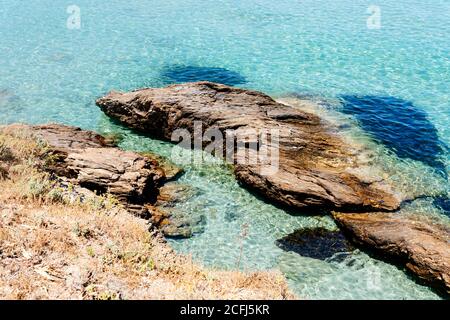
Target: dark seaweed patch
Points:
(181, 74)
(400, 125)
(316, 243)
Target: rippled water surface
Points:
(312, 48)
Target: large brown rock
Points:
(88, 159)
(423, 248)
(316, 169)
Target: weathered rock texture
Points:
(423, 248)
(89, 160)
(316, 168)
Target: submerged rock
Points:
(177, 226)
(183, 227)
(315, 169)
(172, 171)
(316, 243)
(175, 223)
(172, 193)
(423, 248)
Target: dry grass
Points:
(54, 246)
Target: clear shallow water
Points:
(322, 48)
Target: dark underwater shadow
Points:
(399, 125)
(443, 204)
(317, 243)
(10, 103)
(182, 73)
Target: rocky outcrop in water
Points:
(423, 248)
(316, 169)
(176, 226)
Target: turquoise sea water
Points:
(310, 47)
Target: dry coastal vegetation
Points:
(58, 241)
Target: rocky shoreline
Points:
(60, 240)
(317, 173)
(317, 170)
